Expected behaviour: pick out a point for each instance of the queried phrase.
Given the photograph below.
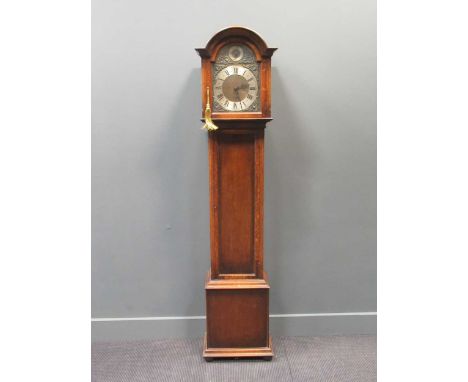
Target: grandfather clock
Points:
(236, 98)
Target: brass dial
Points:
(235, 88)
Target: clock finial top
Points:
(236, 32)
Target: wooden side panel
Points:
(236, 171)
(237, 318)
(258, 205)
(214, 202)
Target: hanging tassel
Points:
(209, 125)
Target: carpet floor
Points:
(330, 358)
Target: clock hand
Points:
(236, 90)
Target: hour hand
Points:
(236, 90)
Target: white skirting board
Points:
(305, 324)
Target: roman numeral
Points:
(226, 103)
(251, 79)
(234, 106)
(253, 88)
(227, 72)
(235, 70)
(243, 105)
(249, 96)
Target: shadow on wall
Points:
(288, 218)
(181, 164)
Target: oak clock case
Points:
(236, 99)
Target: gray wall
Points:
(150, 234)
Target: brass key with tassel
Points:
(209, 125)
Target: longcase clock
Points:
(236, 99)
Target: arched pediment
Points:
(233, 33)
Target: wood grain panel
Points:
(236, 169)
(237, 318)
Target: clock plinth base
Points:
(253, 352)
(237, 318)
